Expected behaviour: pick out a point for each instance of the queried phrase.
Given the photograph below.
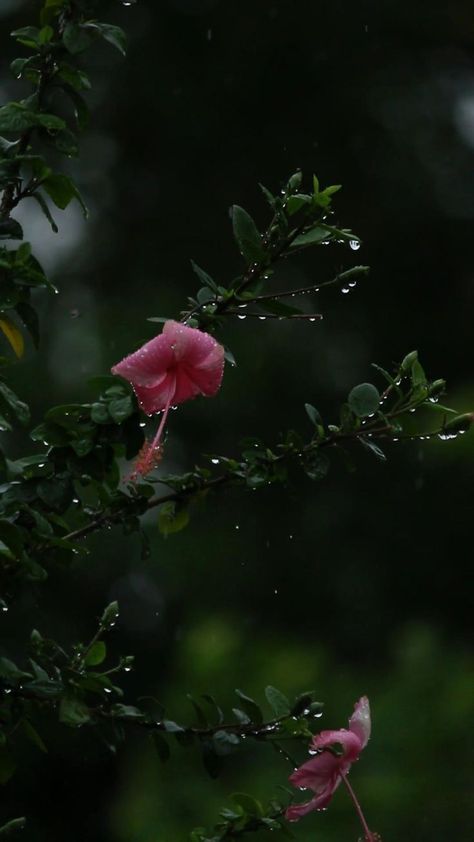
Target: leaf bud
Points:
(408, 361)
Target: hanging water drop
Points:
(354, 244)
(345, 290)
(241, 317)
(215, 461)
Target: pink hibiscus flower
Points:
(174, 367)
(325, 771)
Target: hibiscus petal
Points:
(315, 773)
(155, 398)
(149, 365)
(185, 387)
(349, 741)
(360, 723)
(188, 343)
(319, 802)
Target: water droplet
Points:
(345, 290)
(128, 669)
(447, 436)
(413, 409)
(107, 690)
(241, 317)
(275, 591)
(242, 306)
(433, 400)
(215, 461)
(41, 465)
(142, 424)
(312, 319)
(262, 318)
(354, 244)
(4, 608)
(352, 284)
(209, 34)
(290, 537)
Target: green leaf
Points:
(77, 38)
(62, 190)
(73, 712)
(225, 742)
(250, 707)
(15, 117)
(296, 202)
(127, 712)
(247, 236)
(364, 400)
(10, 672)
(10, 229)
(110, 615)
(29, 317)
(374, 448)
(203, 276)
(313, 415)
(311, 238)
(27, 35)
(249, 804)
(12, 826)
(12, 537)
(44, 207)
(161, 746)
(172, 727)
(418, 376)
(7, 767)
(32, 735)
(114, 35)
(121, 409)
(277, 700)
(18, 407)
(316, 465)
(172, 518)
(96, 654)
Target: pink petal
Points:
(319, 802)
(350, 742)
(360, 723)
(185, 387)
(155, 398)
(188, 344)
(315, 773)
(149, 365)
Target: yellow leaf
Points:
(13, 335)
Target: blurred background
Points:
(358, 584)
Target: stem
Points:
(368, 833)
(310, 316)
